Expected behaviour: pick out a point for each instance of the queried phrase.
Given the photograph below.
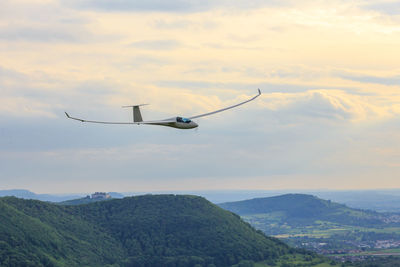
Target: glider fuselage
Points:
(180, 123)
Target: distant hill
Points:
(303, 209)
(152, 230)
(26, 194)
(73, 199)
(378, 200)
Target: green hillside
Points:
(36, 233)
(158, 230)
(80, 201)
(300, 209)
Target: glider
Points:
(175, 122)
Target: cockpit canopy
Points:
(183, 120)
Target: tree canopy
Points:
(151, 230)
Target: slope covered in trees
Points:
(301, 209)
(35, 233)
(158, 230)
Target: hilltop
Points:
(295, 209)
(323, 226)
(98, 196)
(151, 230)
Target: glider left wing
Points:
(111, 122)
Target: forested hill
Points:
(301, 208)
(80, 201)
(152, 230)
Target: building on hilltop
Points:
(101, 195)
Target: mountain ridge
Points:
(26, 194)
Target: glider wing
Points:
(111, 122)
(220, 110)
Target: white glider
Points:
(175, 122)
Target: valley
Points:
(322, 226)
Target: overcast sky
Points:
(328, 117)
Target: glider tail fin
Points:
(137, 116)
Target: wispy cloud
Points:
(169, 6)
(386, 7)
(7, 75)
(156, 44)
(389, 80)
(41, 34)
(330, 105)
(143, 6)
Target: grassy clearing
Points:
(298, 260)
(325, 232)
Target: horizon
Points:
(378, 200)
(250, 191)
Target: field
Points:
(333, 239)
(298, 260)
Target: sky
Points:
(328, 117)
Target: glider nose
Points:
(195, 125)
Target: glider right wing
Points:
(220, 110)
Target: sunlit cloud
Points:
(156, 44)
(328, 104)
(388, 80)
(171, 6)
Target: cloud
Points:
(41, 34)
(389, 80)
(266, 87)
(173, 24)
(170, 6)
(20, 106)
(52, 32)
(6, 75)
(42, 21)
(156, 44)
(328, 105)
(145, 60)
(143, 6)
(389, 8)
(37, 94)
(235, 47)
